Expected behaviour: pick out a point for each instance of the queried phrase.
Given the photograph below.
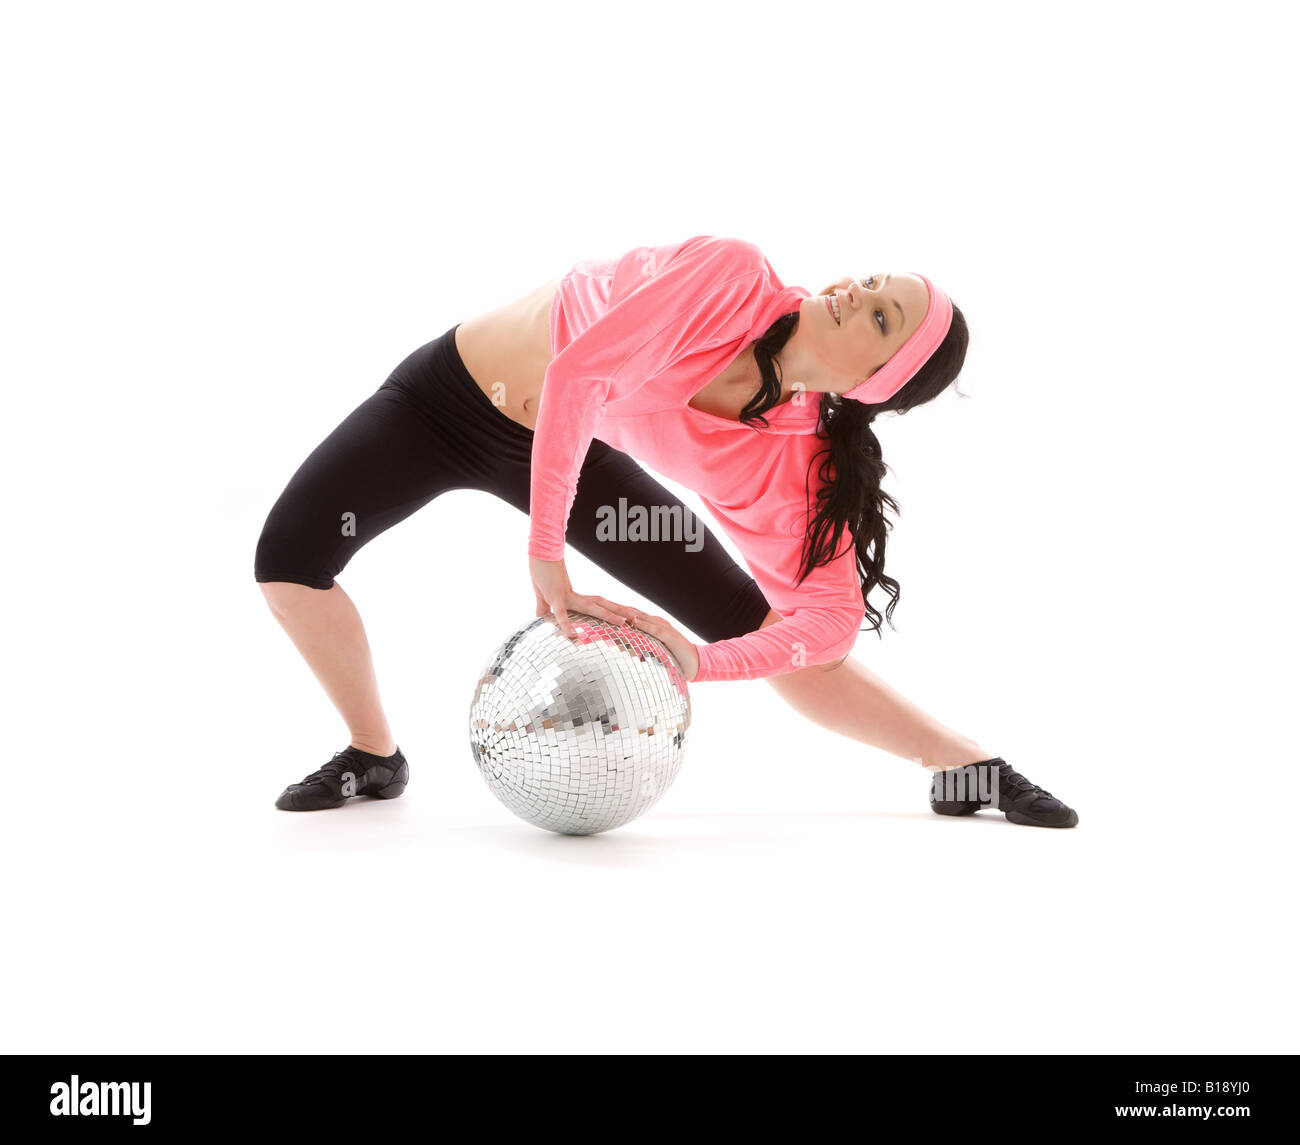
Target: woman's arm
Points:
(817, 627)
(809, 638)
(820, 617)
(780, 646)
(703, 295)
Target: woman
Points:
(698, 360)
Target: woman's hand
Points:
(555, 597)
(688, 659)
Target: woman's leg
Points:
(851, 699)
(698, 584)
(394, 453)
(326, 628)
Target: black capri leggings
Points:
(428, 429)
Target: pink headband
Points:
(912, 354)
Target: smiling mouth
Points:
(833, 305)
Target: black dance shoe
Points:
(1019, 800)
(351, 772)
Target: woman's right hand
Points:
(555, 597)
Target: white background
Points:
(225, 224)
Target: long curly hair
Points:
(852, 466)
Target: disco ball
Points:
(582, 735)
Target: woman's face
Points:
(877, 314)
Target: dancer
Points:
(696, 359)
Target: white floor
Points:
(774, 901)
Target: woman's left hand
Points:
(688, 660)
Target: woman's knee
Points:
(295, 549)
(289, 598)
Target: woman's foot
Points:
(993, 782)
(351, 772)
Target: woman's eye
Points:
(880, 314)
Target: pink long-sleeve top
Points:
(633, 339)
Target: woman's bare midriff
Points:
(508, 349)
